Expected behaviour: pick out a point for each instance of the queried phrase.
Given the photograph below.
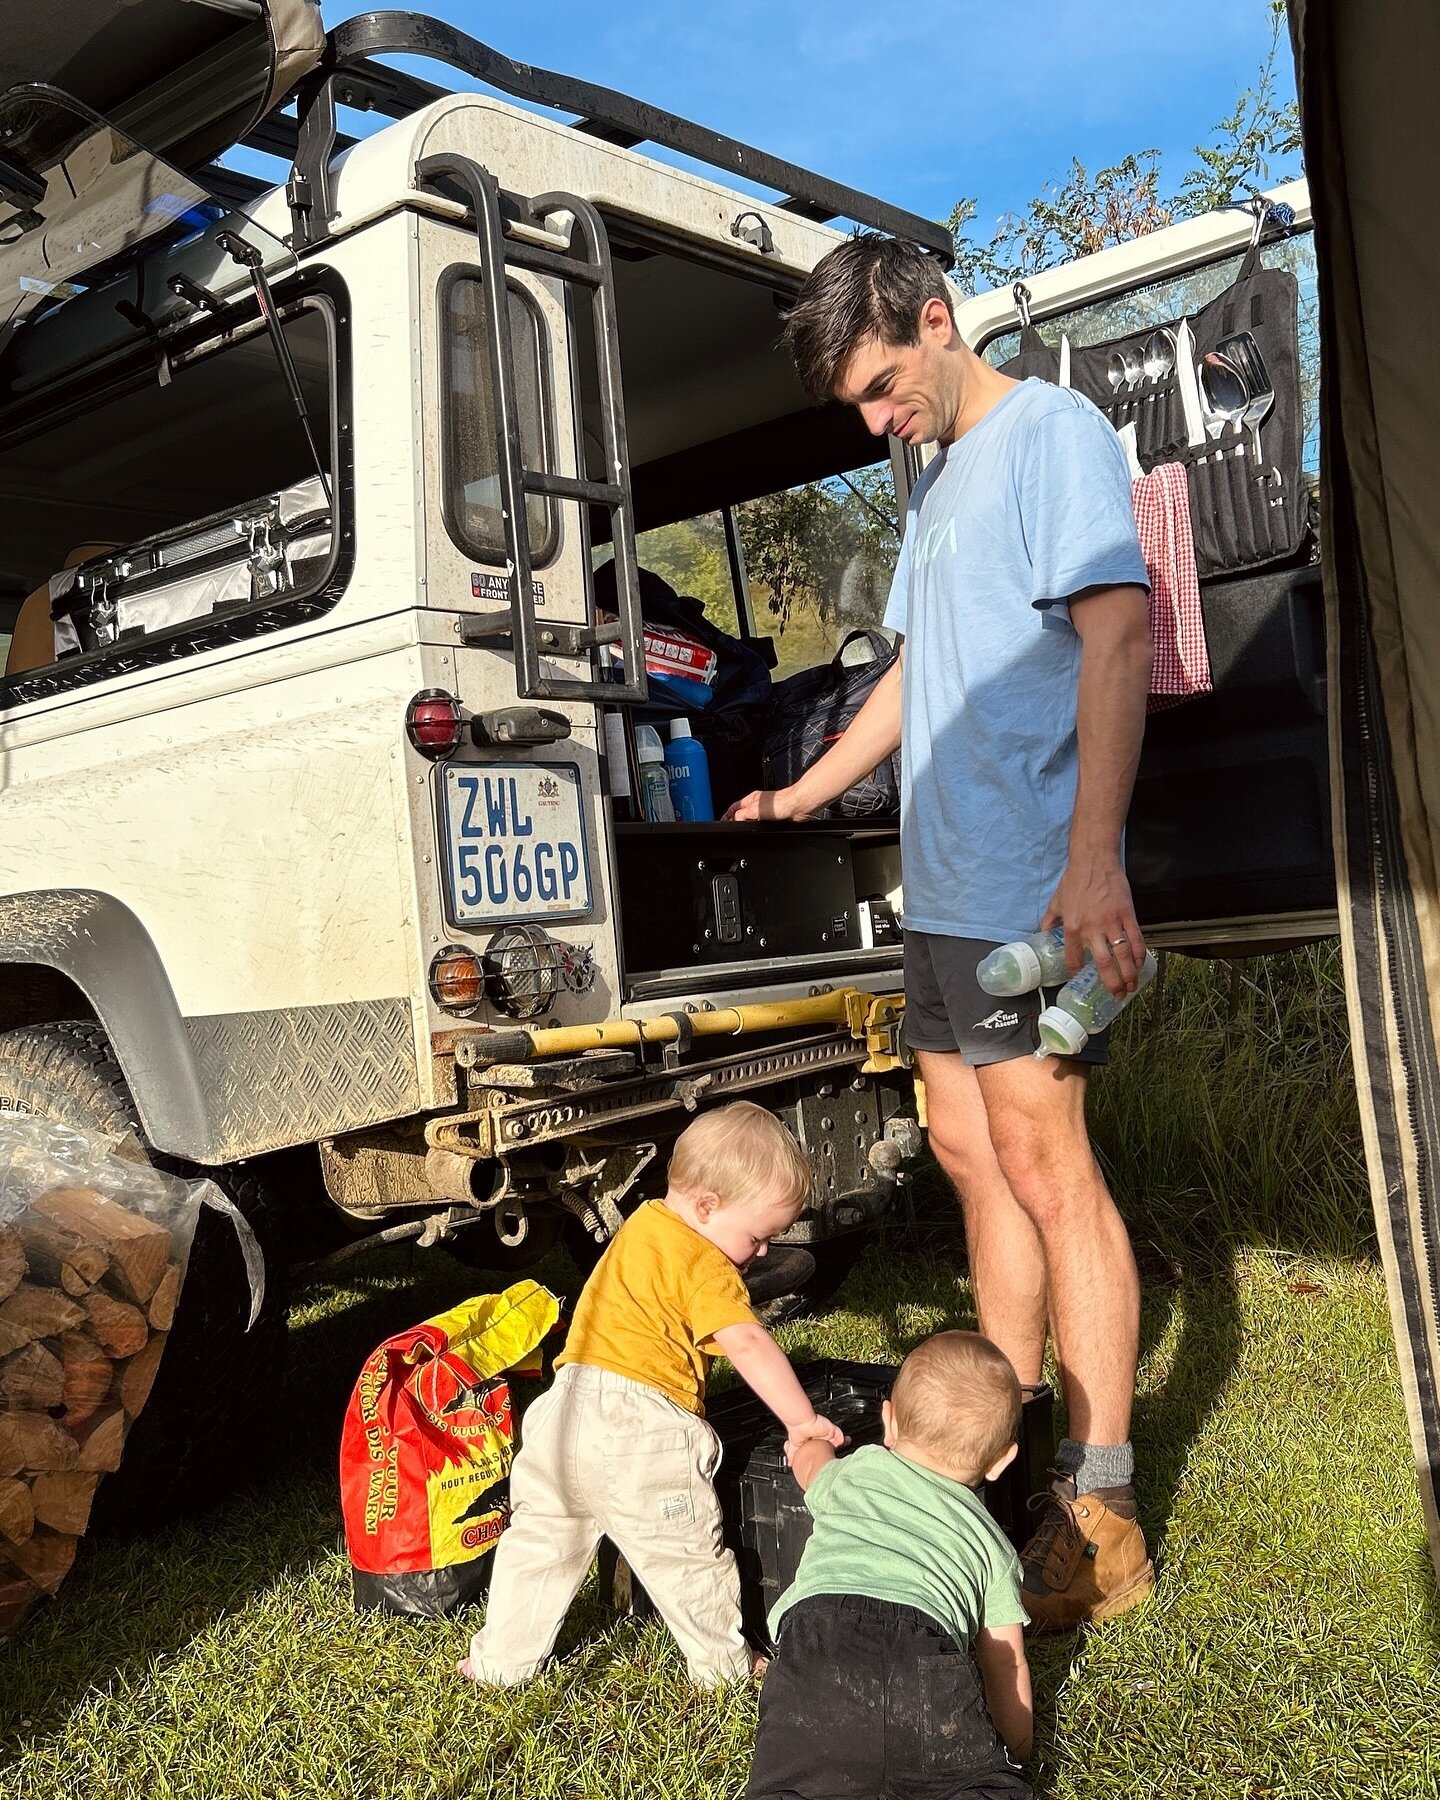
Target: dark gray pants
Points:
(867, 1698)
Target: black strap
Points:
(1250, 265)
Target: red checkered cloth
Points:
(1162, 519)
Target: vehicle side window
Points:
(471, 474)
(818, 559)
(691, 556)
(159, 520)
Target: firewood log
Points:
(34, 1312)
(88, 1372)
(62, 1501)
(138, 1248)
(162, 1302)
(31, 1440)
(12, 1261)
(32, 1379)
(17, 1596)
(137, 1376)
(45, 1557)
(60, 1258)
(119, 1327)
(17, 1511)
(99, 1441)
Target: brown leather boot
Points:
(1086, 1559)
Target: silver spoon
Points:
(1159, 358)
(1134, 375)
(1115, 372)
(1134, 367)
(1224, 392)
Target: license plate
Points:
(514, 842)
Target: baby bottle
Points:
(1084, 1006)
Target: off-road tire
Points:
(202, 1429)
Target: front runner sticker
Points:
(497, 587)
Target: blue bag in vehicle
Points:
(811, 712)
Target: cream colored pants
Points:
(603, 1456)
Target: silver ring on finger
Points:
(1115, 942)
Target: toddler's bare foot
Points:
(463, 1668)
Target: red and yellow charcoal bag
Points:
(426, 1451)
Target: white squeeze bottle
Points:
(1084, 1006)
(1028, 963)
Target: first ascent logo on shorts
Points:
(998, 1021)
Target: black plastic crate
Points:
(766, 1519)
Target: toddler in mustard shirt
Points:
(619, 1447)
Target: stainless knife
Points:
(1189, 385)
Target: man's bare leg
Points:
(1036, 1114)
(1087, 1559)
(1007, 1264)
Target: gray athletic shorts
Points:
(947, 1009)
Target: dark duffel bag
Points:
(812, 710)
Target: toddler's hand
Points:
(817, 1427)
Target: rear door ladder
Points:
(586, 264)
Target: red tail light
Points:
(434, 723)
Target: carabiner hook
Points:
(1260, 206)
(1022, 303)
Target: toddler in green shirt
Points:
(873, 1689)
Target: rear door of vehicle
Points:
(1229, 834)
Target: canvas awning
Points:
(1372, 144)
(107, 110)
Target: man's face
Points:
(908, 391)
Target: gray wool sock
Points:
(1095, 1465)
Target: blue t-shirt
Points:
(1029, 508)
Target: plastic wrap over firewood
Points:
(94, 1246)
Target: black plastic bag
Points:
(812, 711)
(742, 678)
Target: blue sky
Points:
(918, 104)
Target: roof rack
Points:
(346, 76)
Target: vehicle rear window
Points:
(472, 474)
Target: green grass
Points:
(1292, 1651)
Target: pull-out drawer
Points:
(744, 898)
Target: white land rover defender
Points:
(310, 828)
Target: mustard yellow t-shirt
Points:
(655, 1300)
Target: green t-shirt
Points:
(888, 1529)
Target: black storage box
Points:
(767, 1523)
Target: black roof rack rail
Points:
(346, 76)
(231, 186)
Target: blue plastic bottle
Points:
(689, 770)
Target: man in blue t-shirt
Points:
(1018, 704)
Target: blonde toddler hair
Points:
(957, 1397)
(739, 1152)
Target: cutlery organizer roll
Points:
(1239, 522)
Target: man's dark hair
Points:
(869, 286)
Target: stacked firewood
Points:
(87, 1295)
